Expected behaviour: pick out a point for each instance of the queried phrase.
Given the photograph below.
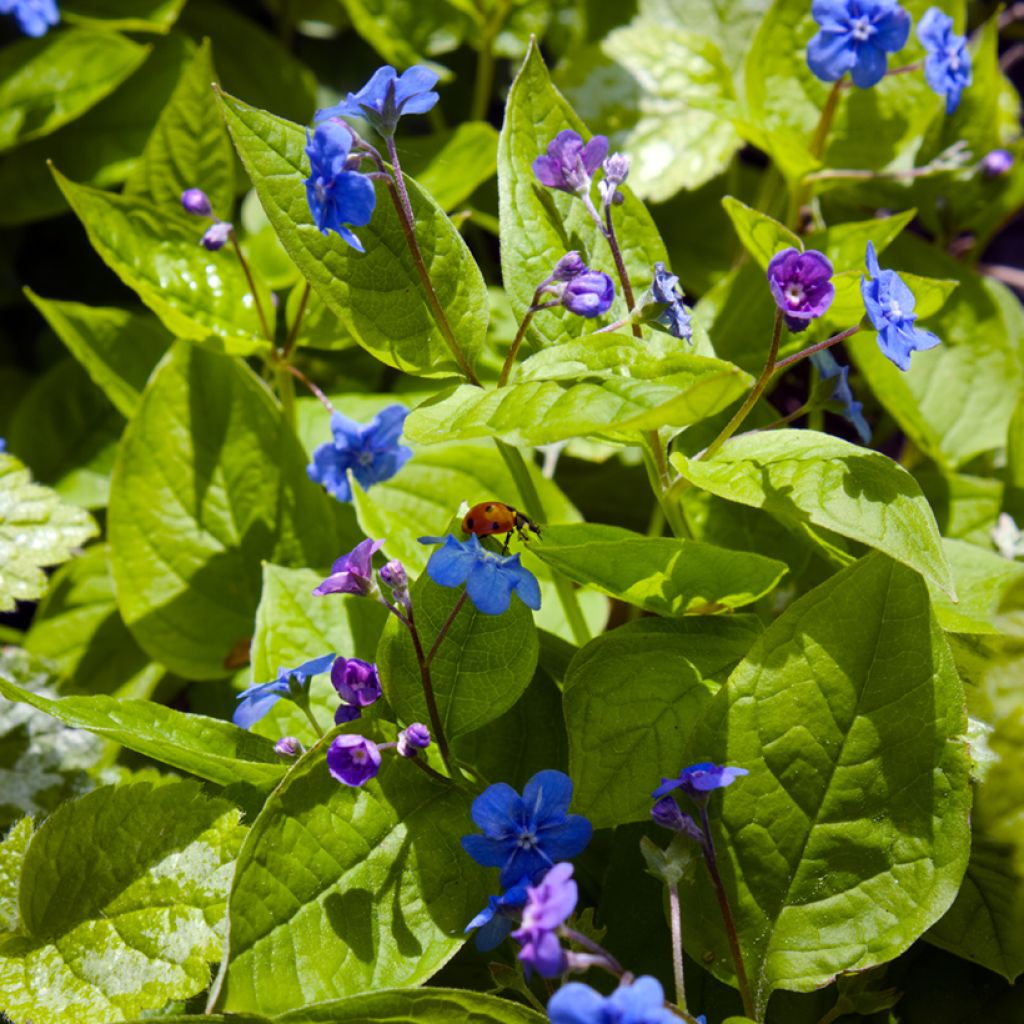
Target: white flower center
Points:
(861, 29)
(365, 459)
(954, 60)
(794, 293)
(359, 756)
(895, 311)
(526, 840)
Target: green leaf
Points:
(340, 890)
(762, 236)
(12, 855)
(117, 348)
(623, 738)
(538, 225)
(664, 95)
(189, 147)
(424, 1006)
(982, 579)
(122, 892)
(98, 148)
(209, 482)
(481, 667)
(965, 506)
(67, 431)
(125, 15)
(77, 626)
(377, 295)
(406, 32)
(541, 412)
(659, 574)
(36, 530)
(211, 749)
(846, 245)
(47, 82)
(850, 835)
(452, 165)
(197, 294)
(805, 477)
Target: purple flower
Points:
(34, 17)
(801, 284)
(356, 681)
(216, 236)
(386, 97)
(829, 367)
(195, 201)
(353, 573)
(371, 451)
(490, 578)
(337, 194)
(496, 919)
(643, 1002)
(589, 294)
(996, 163)
(258, 699)
(525, 835)
(855, 36)
(890, 307)
(947, 64)
(700, 779)
(569, 164)
(288, 746)
(668, 311)
(353, 760)
(548, 905)
(416, 737)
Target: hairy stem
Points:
(620, 266)
(437, 729)
(677, 945)
(313, 389)
(782, 364)
(293, 331)
(443, 631)
(264, 323)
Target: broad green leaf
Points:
(122, 894)
(982, 579)
(541, 412)
(12, 855)
(1015, 463)
(197, 294)
(482, 666)
(211, 749)
(67, 431)
(292, 626)
(538, 225)
(209, 482)
(98, 148)
(664, 95)
(36, 530)
(125, 15)
(377, 295)
(422, 1006)
(117, 348)
(660, 574)
(623, 738)
(762, 236)
(846, 245)
(339, 891)
(42, 762)
(965, 507)
(77, 626)
(189, 147)
(452, 165)
(406, 32)
(850, 835)
(804, 476)
(47, 82)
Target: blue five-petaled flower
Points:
(855, 36)
(259, 698)
(387, 96)
(947, 64)
(371, 451)
(338, 195)
(699, 779)
(890, 307)
(525, 835)
(34, 17)
(490, 578)
(642, 1002)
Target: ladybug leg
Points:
(508, 539)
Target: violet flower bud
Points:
(997, 163)
(416, 737)
(196, 202)
(288, 746)
(216, 236)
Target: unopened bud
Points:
(416, 737)
(997, 163)
(196, 202)
(216, 236)
(288, 747)
(569, 266)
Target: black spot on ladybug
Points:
(495, 527)
(488, 508)
(469, 522)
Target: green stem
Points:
(531, 499)
(802, 192)
(662, 487)
(782, 364)
(285, 391)
(308, 712)
(314, 390)
(264, 325)
(484, 81)
(400, 197)
(293, 331)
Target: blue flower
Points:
(337, 194)
(828, 367)
(490, 578)
(259, 698)
(700, 779)
(643, 1002)
(890, 307)
(947, 64)
(34, 17)
(855, 36)
(525, 835)
(386, 97)
(548, 905)
(496, 919)
(670, 313)
(371, 452)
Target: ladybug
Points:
(493, 517)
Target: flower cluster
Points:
(216, 236)
(585, 292)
